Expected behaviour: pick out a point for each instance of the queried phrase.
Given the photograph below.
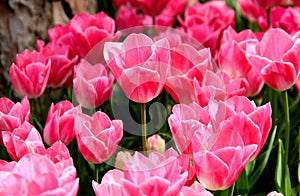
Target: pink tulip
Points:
(111, 184)
(255, 82)
(195, 189)
(139, 65)
(151, 7)
(22, 140)
(29, 76)
(92, 84)
(12, 115)
(231, 57)
(218, 86)
(60, 123)
(276, 56)
(186, 64)
(158, 174)
(205, 22)
(97, 136)
(274, 193)
(266, 4)
(35, 174)
(128, 16)
(62, 63)
(250, 11)
(84, 32)
(235, 134)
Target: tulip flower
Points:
(60, 123)
(235, 134)
(231, 57)
(139, 65)
(186, 64)
(276, 56)
(22, 140)
(151, 7)
(84, 32)
(97, 136)
(205, 22)
(62, 63)
(35, 174)
(156, 143)
(12, 115)
(121, 159)
(29, 75)
(92, 84)
(266, 4)
(196, 189)
(250, 11)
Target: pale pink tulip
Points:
(139, 65)
(97, 136)
(274, 193)
(62, 63)
(276, 56)
(156, 143)
(35, 174)
(12, 115)
(92, 84)
(60, 123)
(29, 75)
(186, 64)
(121, 158)
(235, 134)
(22, 140)
(205, 22)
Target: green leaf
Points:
(279, 166)
(262, 160)
(287, 182)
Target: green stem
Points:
(287, 136)
(97, 168)
(144, 126)
(231, 190)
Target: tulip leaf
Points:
(279, 166)
(287, 182)
(263, 160)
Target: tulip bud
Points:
(156, 143)
(121, 159)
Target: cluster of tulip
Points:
(215, 97)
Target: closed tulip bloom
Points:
(35, 174)
(121, 158)
(60, 123)
(234, 136)
(22, 140)
(62, 63)
(97, 136)
(250, 11)
(29, 75)
(139, 65)
(92, 84)
(156, 143)
(12, 115)
(276, 56)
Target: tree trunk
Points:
(23, 22)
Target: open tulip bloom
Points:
(158, 98)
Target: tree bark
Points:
(23, 22)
